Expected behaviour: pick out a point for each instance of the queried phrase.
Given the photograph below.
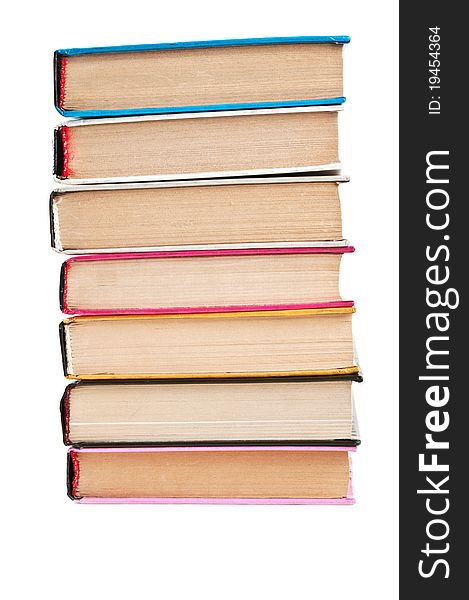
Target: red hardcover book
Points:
(203, 281)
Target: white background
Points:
(56, 549)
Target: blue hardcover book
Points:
(213, 75)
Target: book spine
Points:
(65, 413)
(60, 62)
(63, 287)
(73, 474)
(61, 152)
(63, 349)
(53, 232)
(59, 80)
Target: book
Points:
(202, 281)
(234, 344)
(189, 215)
(197, 145)
(192, 76)
(263, 411)
(214, 475)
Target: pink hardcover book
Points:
(211, 475)
(203, 281)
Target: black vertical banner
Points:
(434, 326)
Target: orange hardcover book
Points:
(238, 344)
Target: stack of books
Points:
(211, 352)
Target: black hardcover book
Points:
(265, 411)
